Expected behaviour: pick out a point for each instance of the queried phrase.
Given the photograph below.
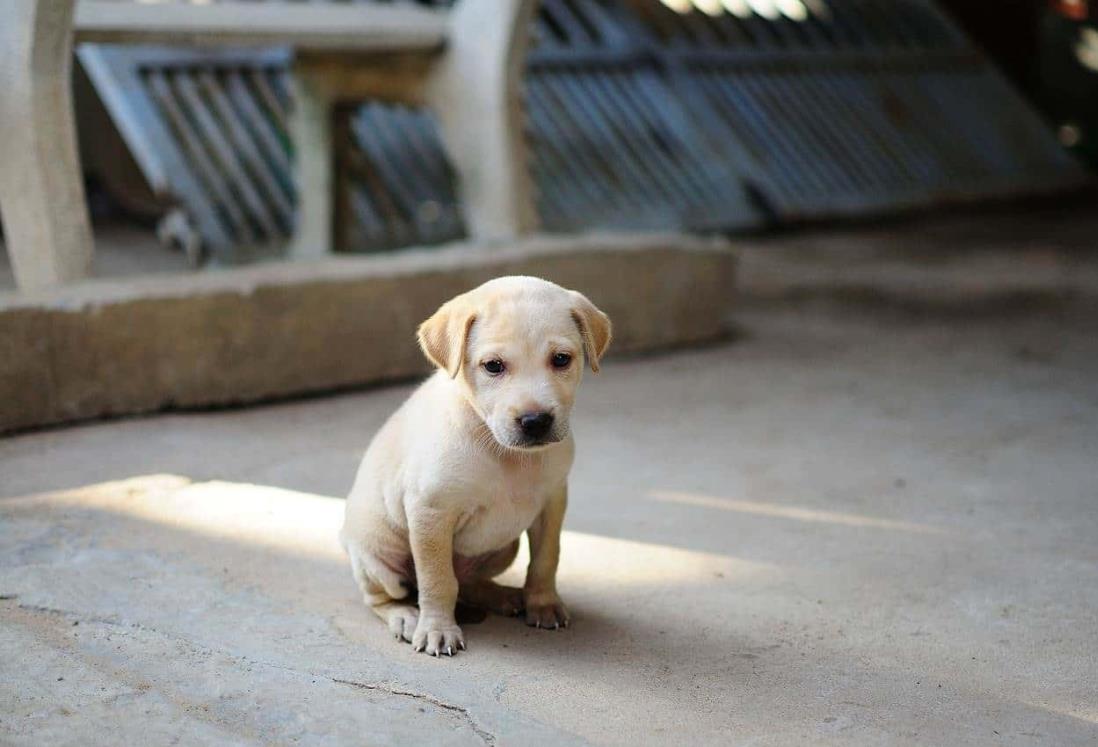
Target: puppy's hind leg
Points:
(481, 591)
(400, 616)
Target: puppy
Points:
(477, 455)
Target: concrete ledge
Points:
(111, 348)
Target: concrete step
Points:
(134, 345)
(975, 262)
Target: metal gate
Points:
(705, 115)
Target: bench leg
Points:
(475, 90)
(42, 205)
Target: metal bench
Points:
(465, 64)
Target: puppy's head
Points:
(517, 345)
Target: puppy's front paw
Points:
(437, 637)
(545, 610)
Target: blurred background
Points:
(708, 116)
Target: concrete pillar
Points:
(475, 90)
(42, 205)
(311, 133)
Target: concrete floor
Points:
(854, 523)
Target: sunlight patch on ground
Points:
(307, 524)
(790, 512)
(595, 560)
(253, 514)
(1088, 714)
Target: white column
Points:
(42, 205)
(310, 129)
(475, 90)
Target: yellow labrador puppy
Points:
(477, 455)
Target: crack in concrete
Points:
(486, 736)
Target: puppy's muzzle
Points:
(536, 427)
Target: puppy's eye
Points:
(494, 367)
(561, 360)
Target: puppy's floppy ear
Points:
(594, 327)
(443, 337)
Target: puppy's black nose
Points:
(535, 424)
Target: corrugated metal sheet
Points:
(209, 131)
(396, 188)
(728, 115)
(816, 109)
(612, 144)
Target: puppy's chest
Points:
(507, 506)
